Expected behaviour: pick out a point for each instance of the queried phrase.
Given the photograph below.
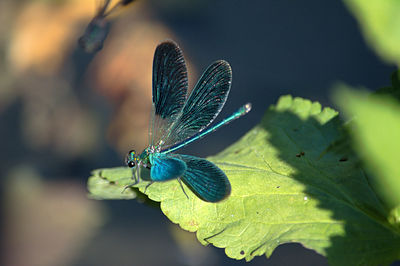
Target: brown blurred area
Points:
(46, 223)
(43, 34)
(121, 73)
(52, 97)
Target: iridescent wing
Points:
(166, 167)
(203, 105)
(169, 89)
(205, 179)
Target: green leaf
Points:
(109, 187)
(376, 137)
(289, 184)
(380, 23)
(394, 90)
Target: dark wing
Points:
(203, 105)
(205, 179)
(170, 84)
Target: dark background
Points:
(275, 48)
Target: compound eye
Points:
(131, 164)
(130, 156)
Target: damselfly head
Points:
(131, 158)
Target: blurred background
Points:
(64, 112)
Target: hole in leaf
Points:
(302, 153)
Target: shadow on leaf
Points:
(346, 221)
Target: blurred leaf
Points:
(396, 79)
(380, 22)
(376, 137)
(287, 186)
(394, 90)
(394, 217)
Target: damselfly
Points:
(179, 119)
